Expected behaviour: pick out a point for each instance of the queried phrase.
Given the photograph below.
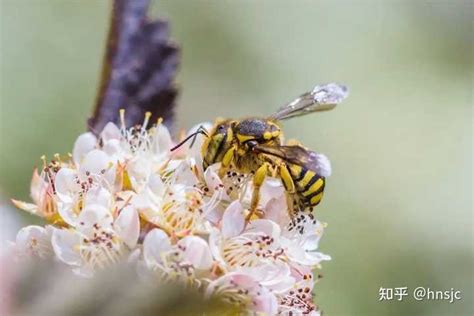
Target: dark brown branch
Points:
(138, 69)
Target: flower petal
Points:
(162, 142)
(316, 257)
(65, 182)
(271, 189)
(99, 196)
(233, 221)
(276, 277)
(156, 185)
(29, 207)
(95, 162)
(67, 190)
(65, 245)
(114, 149)
(84, 144)
(266, 302)
(91, 217)
(197, 252)
(262, 300)
(110, 132)
(215, 238)
(156, 242)
(66, 211)
(38, 187)
(183, 173)
(213, 181)
(25, 234)
(266, 226)
(95, 214)
(303, 276)
(34, 240)
(276, 210)
(127, 226)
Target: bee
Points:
(255, 146)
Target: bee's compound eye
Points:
(252, 143)
(221, 128)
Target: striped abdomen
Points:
(308, 184)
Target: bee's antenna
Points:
(200, 130)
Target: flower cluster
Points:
(124, 196)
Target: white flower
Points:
(214, 195)
(42, 194)
(300, 236)
(243, 290)
(183, 201)
(96, 174)
(33, 241)
(298, 300)
(300, 239)
(276, 277)
(97, 240)
(179, 262)
(179, 209)
(124, 196)
(235, 246)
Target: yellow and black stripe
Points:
(308, 184)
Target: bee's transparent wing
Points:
(322, 98)
(300, 156)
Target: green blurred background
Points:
(399, 203)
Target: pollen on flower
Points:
(124, 192)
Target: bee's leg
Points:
(226, 161)
(286, 178)
(290, 189)
(258, 179)
(292, 204)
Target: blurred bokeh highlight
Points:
(399, 202)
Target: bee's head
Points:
(253, 131)
(218, 142)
